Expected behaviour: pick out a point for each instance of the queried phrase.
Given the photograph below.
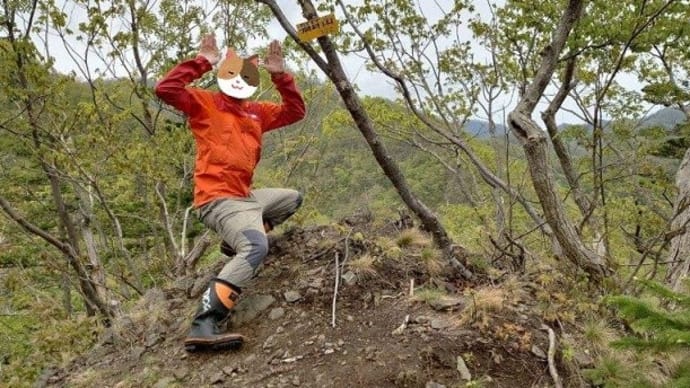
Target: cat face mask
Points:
(238, 77)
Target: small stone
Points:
(349, 278)
(292, 296)
(153, 339)
(276, 313)
(180, 372)
(329, 351)
(218, 378)
(536, 350)
(250, 307)
(584, 359)
(269, 342)
(447, 303)
(433, 384)
(439, 324)
(370, 352)
(462, 368)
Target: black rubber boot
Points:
(206, 333)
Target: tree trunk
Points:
(87, 288)
(679, 254)
(32, 106)
(535, 146)
(332, 67)
(549, 118)
(452, 136)
(96, 270)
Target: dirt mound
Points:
(395, 323)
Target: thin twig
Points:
(183, 237)
(551, 356)
(166, 217)
(347, 250)
(335, 288)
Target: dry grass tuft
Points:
(363, 266)
(432, 260)
(389, 248)
(482, 302)
(488, 299)
(413, 237)
(428, 295)
(598, 334)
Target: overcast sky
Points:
(376, 84)
(373, 84)
(370, 83)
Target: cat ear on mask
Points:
(230, 54)
(254, 60)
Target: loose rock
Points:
(292, 296)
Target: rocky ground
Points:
(387, 328)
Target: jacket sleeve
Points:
(289, 111)
(172, 89)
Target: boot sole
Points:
(218, 343)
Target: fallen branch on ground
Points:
(551, 356)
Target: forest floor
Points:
(378, 334)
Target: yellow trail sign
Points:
(317, 27)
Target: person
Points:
(228, 128)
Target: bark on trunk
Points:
(96, 269)
(332, 67)
(87, 288)
(533, 139)
(679, 254)
(536, 152)
(549, 118)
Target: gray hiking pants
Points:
(240, 223)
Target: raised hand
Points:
(274, 63)
(209, 49)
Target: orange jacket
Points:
(227, 131)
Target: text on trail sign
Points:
(317, 27)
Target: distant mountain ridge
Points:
(480, 128)
(667, 118)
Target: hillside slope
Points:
(382, 337)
